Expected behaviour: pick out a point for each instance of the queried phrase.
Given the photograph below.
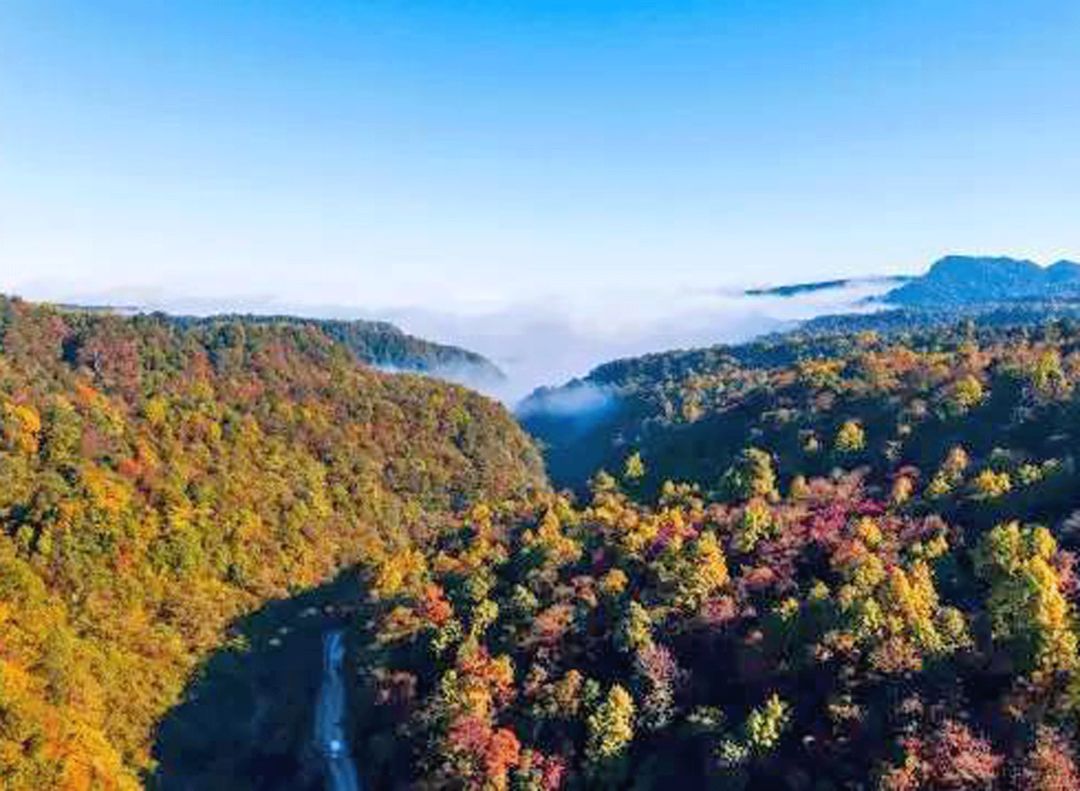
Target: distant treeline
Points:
(377, 343)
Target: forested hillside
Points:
(868, 581)
(158, 480)
(912, 395)
(381, 344)
(823, 560)
(901, 321)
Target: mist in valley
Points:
(551, 341)
(546, 340)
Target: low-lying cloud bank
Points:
(546, 341)
(580, 398)
(471, 376)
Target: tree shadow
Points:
(246, 719)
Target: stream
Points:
(331, 739)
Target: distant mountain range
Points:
(958, 280)
(969, 280)
(991, 291)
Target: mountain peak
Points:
(957, 262)
(1063, 270)
(964, 280)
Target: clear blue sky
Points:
(377, 153)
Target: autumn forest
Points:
(818, 560)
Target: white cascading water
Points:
(330, 737)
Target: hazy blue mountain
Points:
(967, 280)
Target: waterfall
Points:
(330, 738)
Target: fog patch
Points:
(578, 399)
(484, 379)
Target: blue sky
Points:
(390, 154)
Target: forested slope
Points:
(912, 395)
(869, 582)
(381, 344)
(157, 481)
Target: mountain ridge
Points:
(378, 343)
(967, 280)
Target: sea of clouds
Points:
(545, 340)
